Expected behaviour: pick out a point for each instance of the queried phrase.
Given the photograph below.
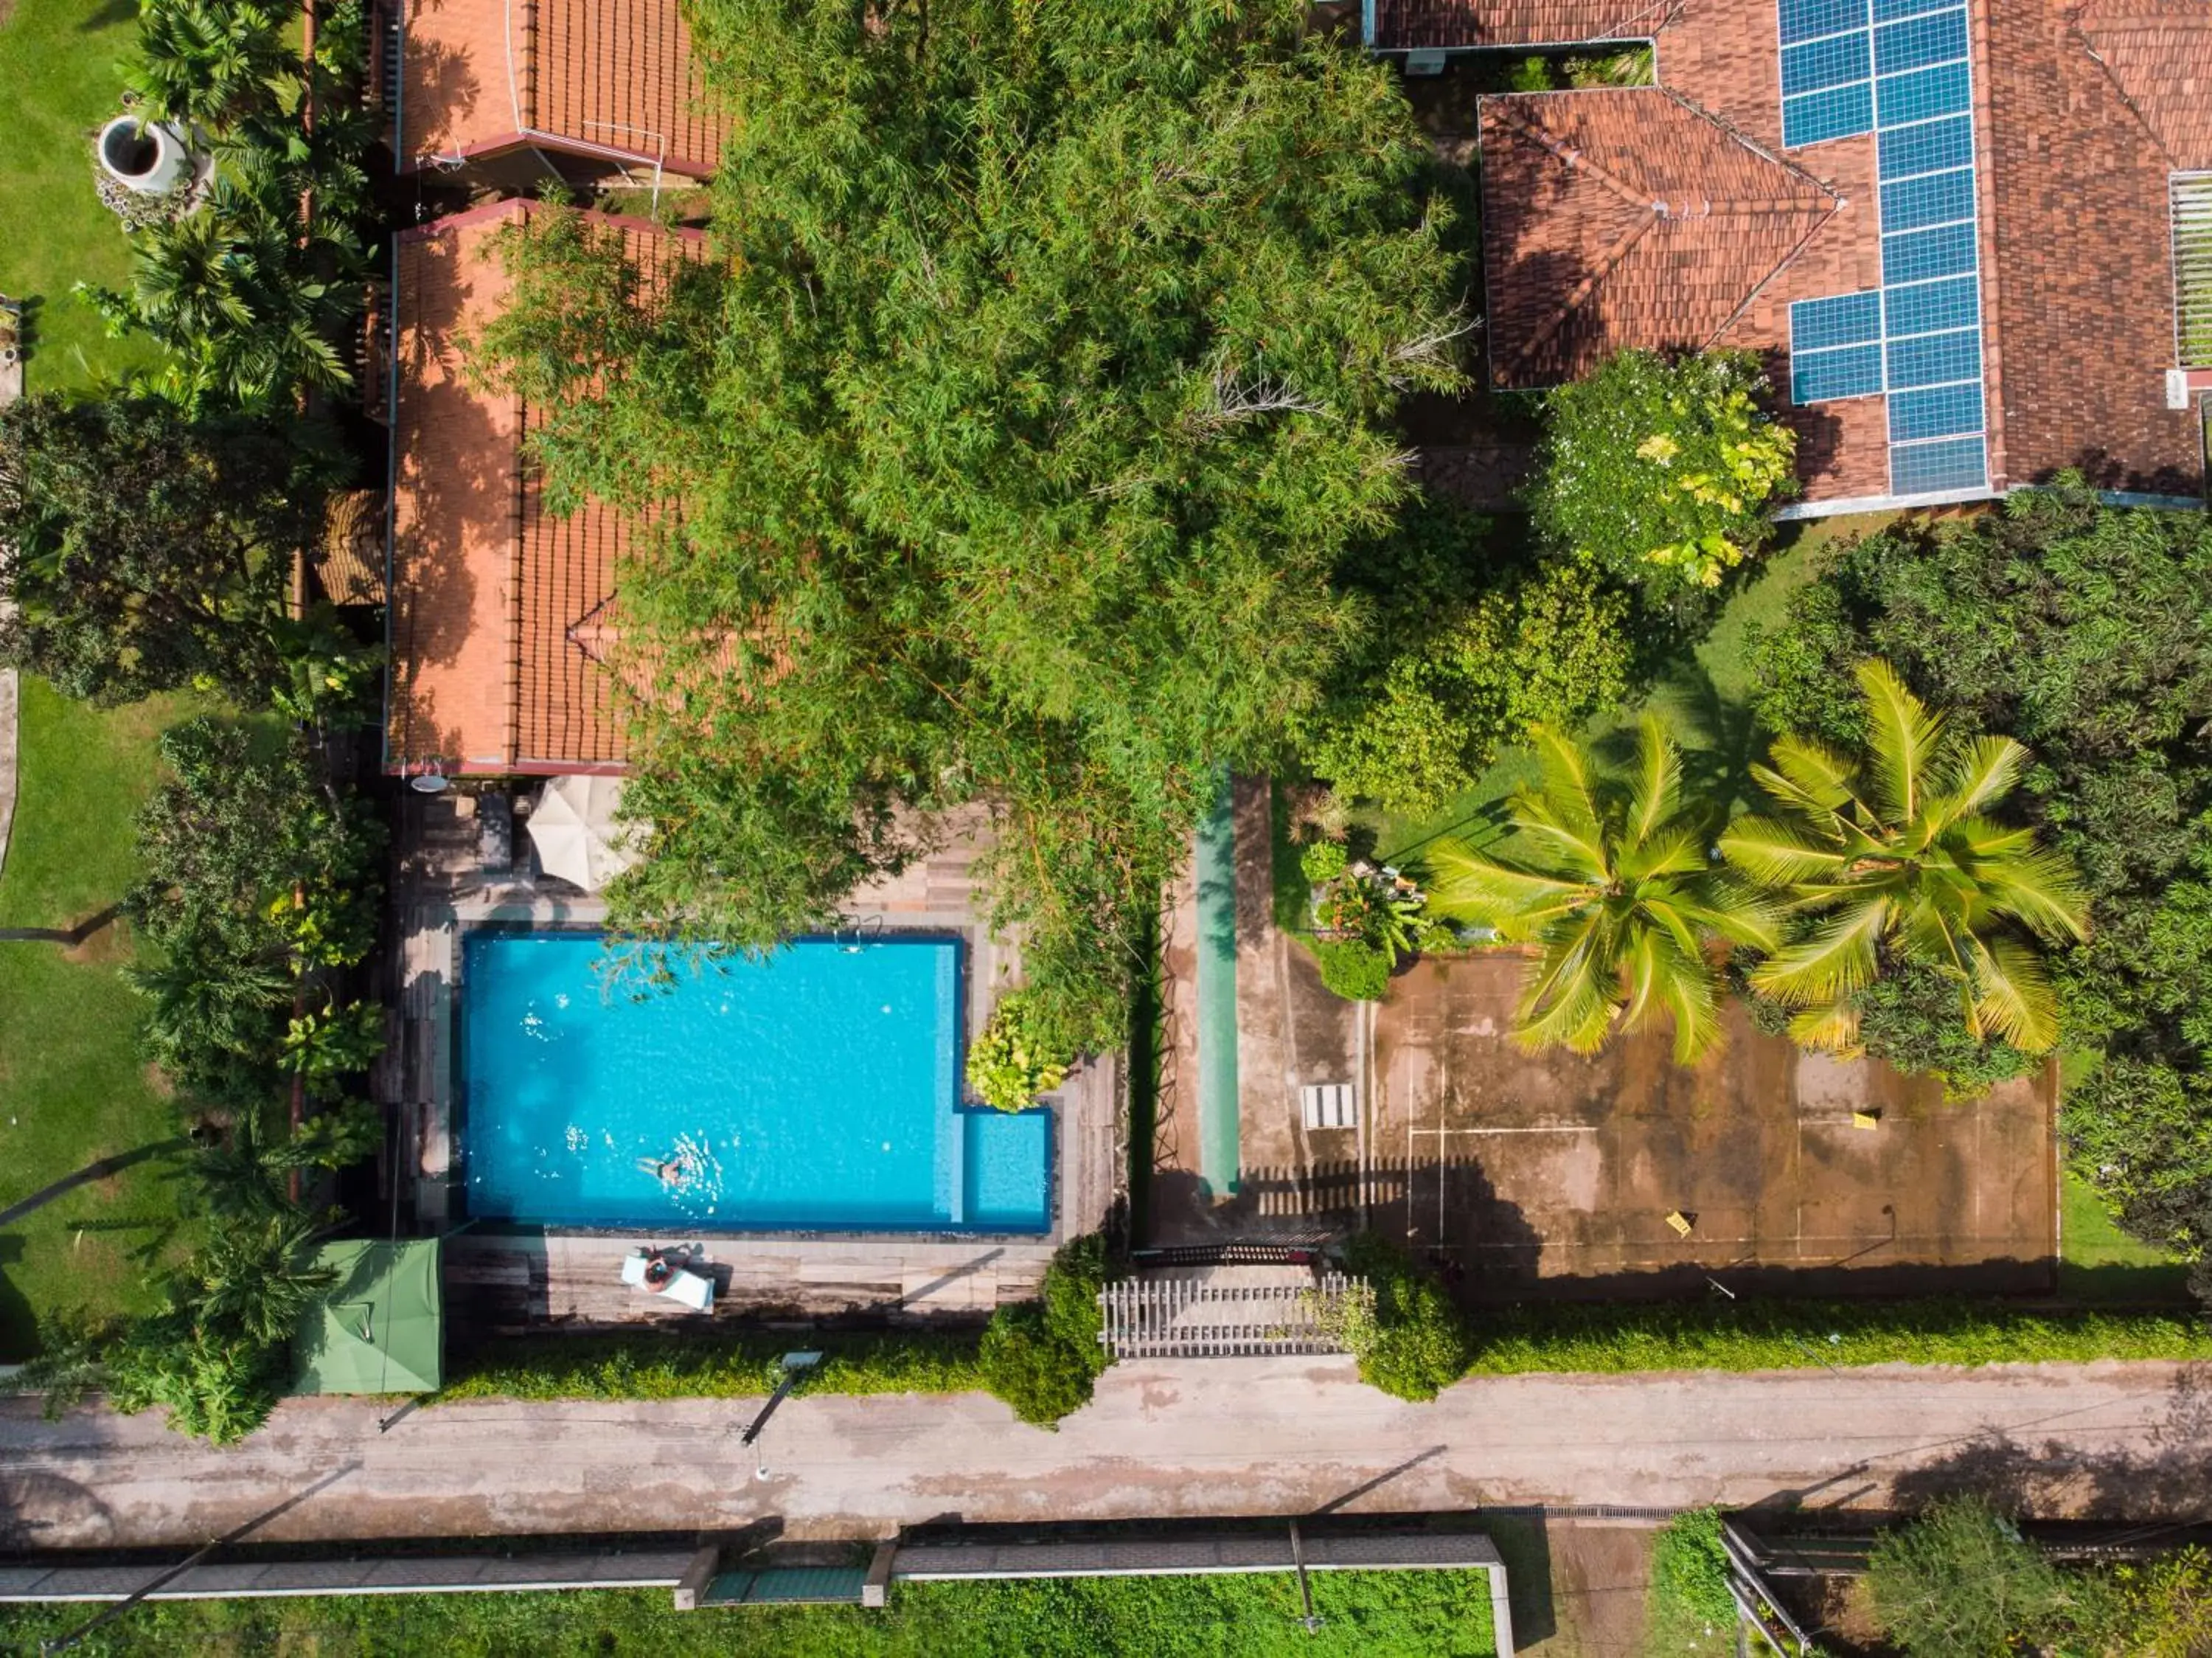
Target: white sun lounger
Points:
(691, 1289)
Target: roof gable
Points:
(1625, 217)
(488, 673)
(612, 78)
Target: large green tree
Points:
(1006, 449)
(144, 551)
(1895, 849)
(1611, 874)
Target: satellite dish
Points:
(428, 783)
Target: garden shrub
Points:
(1043, 1356)
(1691, 1610)
(1416, 1344)
(1323, 861)
(1354, 969)
(1013, 1061)
(1473, 645)
(1960, 1582)
(1661, 471)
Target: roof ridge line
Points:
(1731, 130)
(1573, 159)
(1607, 263)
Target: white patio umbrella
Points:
(572, 825)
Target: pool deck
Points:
(504, 1283)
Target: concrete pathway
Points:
(1222, 1436)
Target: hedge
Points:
(1610, 1338)
(1615, 1336)
(652, 1366)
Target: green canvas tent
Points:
(382, 1329)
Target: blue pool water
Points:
(818, 1090)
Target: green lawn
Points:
(58, 81)
(1413, 1614)
(2097, 1262)
(72, 1087)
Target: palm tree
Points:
(213, 64)
(1617, 883)
(1894, 851)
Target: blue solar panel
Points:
(1829, 62)
(1930, 146)
(1931, 198)
(1935, 359)
(1954, 463)
(1838, 112)
(1944, 411)
(1922, 93)
(1938, 38)
(1808, 20)
(1919, 254)
(1846, 320)
(1817, 376)
(1928, 307)
(1888, 11)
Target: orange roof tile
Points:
(590, 76)
(487, 587)
(1626, 217)
(1402, 24)
(2158, 54)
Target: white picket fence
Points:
(1188, 1318)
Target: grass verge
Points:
(72, 1087)
(1615, 1336)
(59, 81)
(2096, 1261)
(1413, 1614)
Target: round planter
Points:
(149, 157)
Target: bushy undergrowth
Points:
(1043, 1356)
(1416, 1342)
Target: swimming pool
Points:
(818, 1090)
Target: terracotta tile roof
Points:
(2159, 55)
(487, 585)
(2083, 109)
(1626, 218)
(586, 75)
(1399, 24)
(2081, 287)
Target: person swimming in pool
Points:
(677, 1171)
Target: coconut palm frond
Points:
(1470, 886)
(1903, 744)
(1840, 956)
(1777, 854)
(2013, 996)
(1832, 1028)
(1809, 776)
(1654, 787)
(1977, 776)
(2042, 891)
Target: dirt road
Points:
(1216, 1437)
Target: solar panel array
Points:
(1899, 68)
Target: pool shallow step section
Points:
(1216, 880)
